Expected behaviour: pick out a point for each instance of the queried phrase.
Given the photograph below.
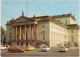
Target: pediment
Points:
(23, 19)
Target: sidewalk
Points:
(74, 47)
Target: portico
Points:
(24, 32)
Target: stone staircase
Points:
(38, 43)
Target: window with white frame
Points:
(51, 26)
(43, 35)
(43, 26)
(72, 38)
(52, 35)
(72, 31)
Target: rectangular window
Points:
(43, 33)
(71, 31)
(51, 35)
(51, 26)
(72, 39)
(43, 26)
(66, 21)
(59, 20)
(54, 36)
(54, 27)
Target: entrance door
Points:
(26, 44)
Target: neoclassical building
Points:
(43, 29)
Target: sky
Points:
(13, 9)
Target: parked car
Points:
(23, 48)
(3, 47)
(15, 49)
(45, 48)
(63, 49)
(30, 48)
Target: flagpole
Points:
(27, 9)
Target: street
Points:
(54, 52)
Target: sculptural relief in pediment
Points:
(22, 19)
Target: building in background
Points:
(43, 29)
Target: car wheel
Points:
(45, 50)
(42, 50)
(12, 51)
(19, 51)
(22, 51)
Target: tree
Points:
(3, 36)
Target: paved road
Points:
(39, 56)
(37, 53)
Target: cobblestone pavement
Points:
(54, 52)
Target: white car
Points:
(45, 49)
(2, 47)
(63, 49)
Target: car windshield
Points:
(29, 46)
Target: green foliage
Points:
(3, 35)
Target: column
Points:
(25, 32)
(12, 33)
(16, 33)
(35, 34)
(54, 38)
(20, 32)
(29, 34)
(35, 31)
(32, 33)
